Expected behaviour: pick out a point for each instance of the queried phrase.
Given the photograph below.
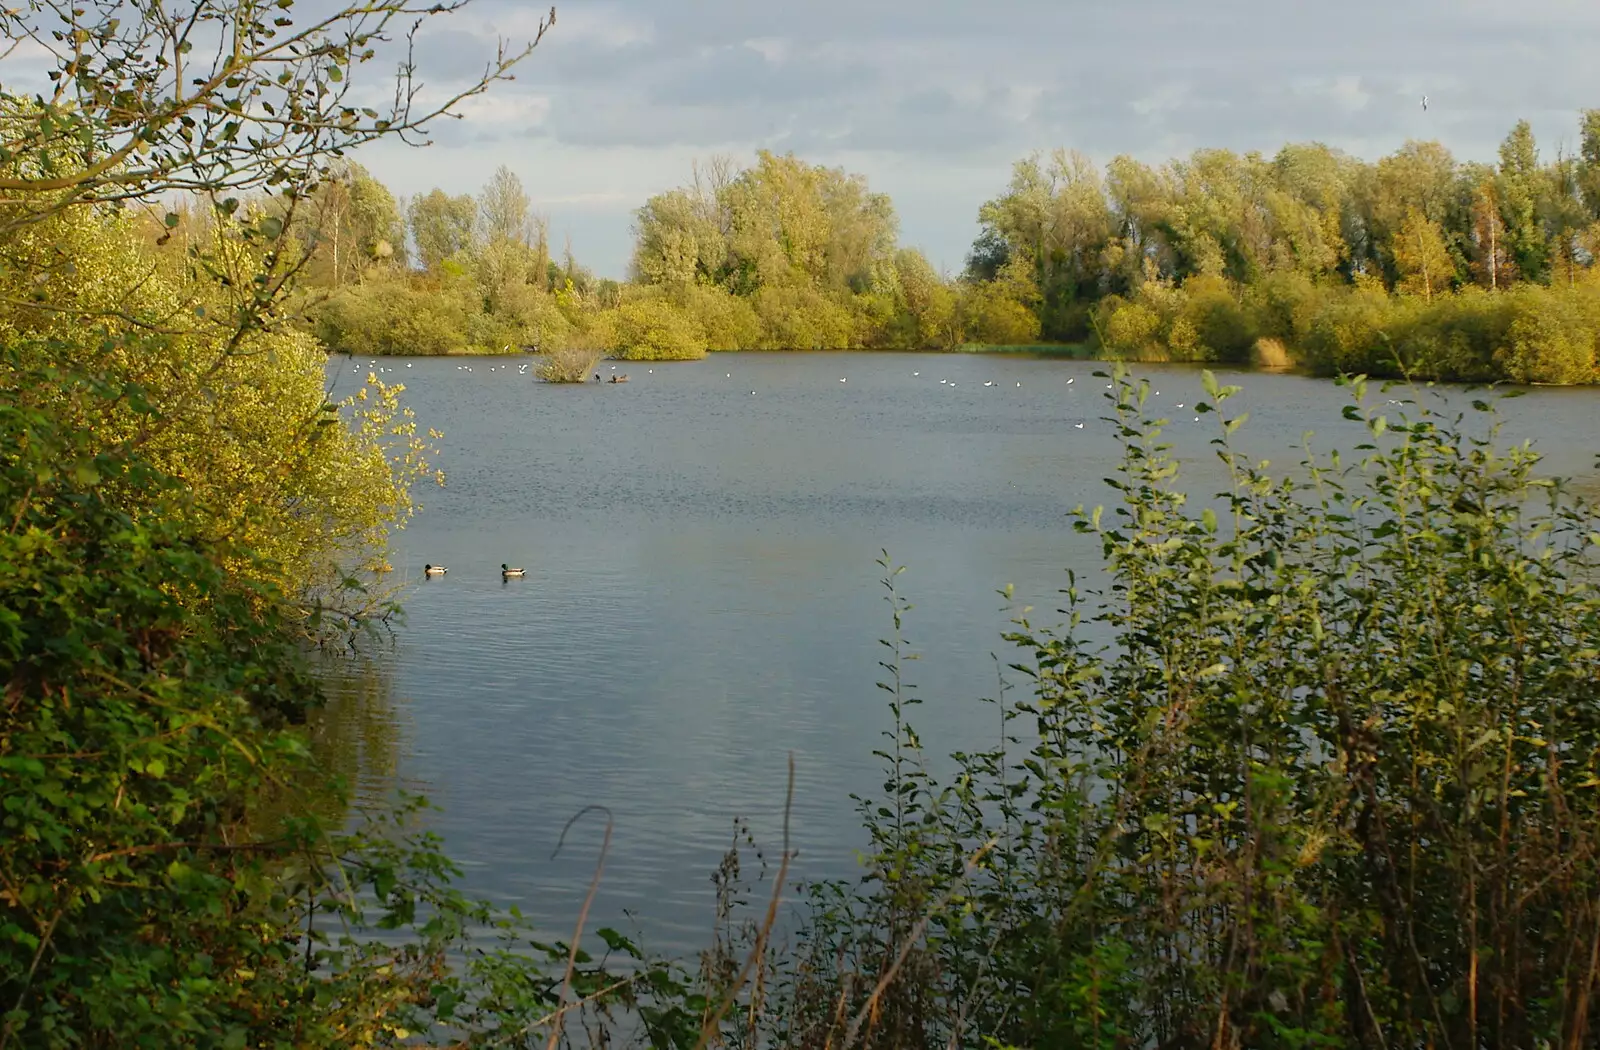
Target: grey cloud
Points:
(932, 85)
(932, 118)
(738, 75)
(599, 119)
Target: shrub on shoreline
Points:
(1332, 782)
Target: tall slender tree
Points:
(1589, 162)
(441, 226)
(504, 209)
(1421, 257)
(1519, 192)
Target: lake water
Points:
(702, 599)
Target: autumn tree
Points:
(1421, 258)
(349, 222)
(1055, 215)
(925, 303)
(441, 226)
(1305, 204)
(504, 211)
(1491, 258)
(678, 240)
(1420, 175)
(1141, 202)
(1563, 215)
(1589, 163)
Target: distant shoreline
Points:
(1072, 351)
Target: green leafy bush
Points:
(799, 317)
(1223, 329)
(729, 321)
(991, 316)
(1319, 766)
(164, 879)
(655, 330)
(1552, 338)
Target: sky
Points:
(933, 100)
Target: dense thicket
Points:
(1310, 256)
(183, 513)
(166, 877)
(1318, 765)
(782, 255)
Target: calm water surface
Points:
(702, 598)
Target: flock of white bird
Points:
(522, 369)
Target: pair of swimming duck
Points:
(505, 570)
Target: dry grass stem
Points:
(709, 1029)
(583, 913)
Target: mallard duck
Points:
(434, 570)
(506, 570)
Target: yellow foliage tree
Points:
(1420, 256)
(239, 411)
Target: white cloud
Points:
(1347, 92)
(504, 112)
(774, 50)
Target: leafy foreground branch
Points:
(1330, 781)
(180, 502)
(162, 880)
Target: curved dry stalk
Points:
(709, 1027)
(583, 913)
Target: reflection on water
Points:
(702, 599)
(359, 732)
(357, 738)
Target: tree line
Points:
(1416, 264)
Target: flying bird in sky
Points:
(1424, 103)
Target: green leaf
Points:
(1209, 382)
(1208, 518)
(618, 943)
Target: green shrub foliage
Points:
(165, 880)
(1330, 780)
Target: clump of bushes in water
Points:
(570, 361)
(1333, 781)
